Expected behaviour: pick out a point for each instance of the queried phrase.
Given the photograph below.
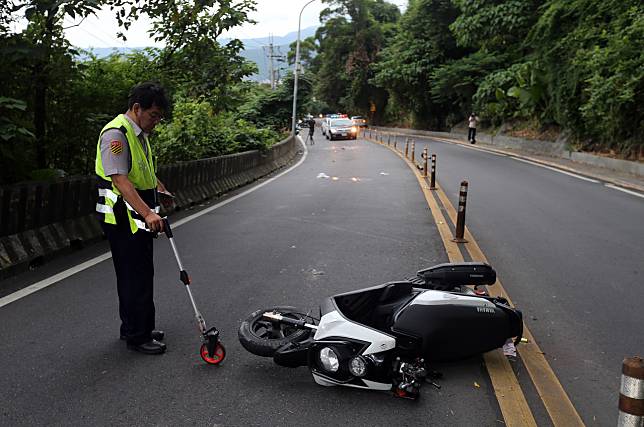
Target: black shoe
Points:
(155, 335)
(150, 347)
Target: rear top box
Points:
(450, 275)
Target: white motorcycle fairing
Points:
(333, 326)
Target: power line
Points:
(96, 37)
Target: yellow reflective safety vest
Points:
(111, 206)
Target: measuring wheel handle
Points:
(183, 274)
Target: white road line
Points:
(53, 279)
(35, 287)
(482, 150)
(557, 170)
(429, 140)
(614, 187)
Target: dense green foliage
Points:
(352, 35)
(53, 103)
(571, 65)
(197, 131)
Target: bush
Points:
(196, 132)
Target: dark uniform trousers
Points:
(132, 255)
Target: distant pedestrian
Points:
(471, 134)
(128, 209)
(311, 123)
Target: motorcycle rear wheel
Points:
(263, 337)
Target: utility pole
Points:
(273, 53)
(271, 72)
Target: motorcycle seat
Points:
(393, 296)
(395, 291)
(376, 306)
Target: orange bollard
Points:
(413, 151)
(631, 393)
(432, 181)
(460, 218)
(424, 156)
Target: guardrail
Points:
(41, 219)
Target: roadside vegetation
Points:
(54, 98)
(539, 68)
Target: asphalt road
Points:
(571, 255)
(296, 240)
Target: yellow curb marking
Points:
(512, 401)
(557, 403)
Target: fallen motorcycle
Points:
(386, 337)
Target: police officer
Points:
(127, 206)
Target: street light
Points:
(297, 61)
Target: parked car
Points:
(341, 128)
(359, 121)
(327, 120)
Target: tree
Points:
(308, 50)
(353, 33)
(44, 47)
(193, 59)
(422, 43)
(591, 53)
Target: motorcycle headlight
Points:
(358, 366)
(329, 359)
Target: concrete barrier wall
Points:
(39, 220)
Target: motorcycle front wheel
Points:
(262, 336)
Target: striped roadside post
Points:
(388, 139)
(406, 148)
(631, 393)
(396, 142)
(413, 151)
(460, 218)
(432, 180)
(424, 156)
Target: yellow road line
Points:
(554, 397)
(512, 401)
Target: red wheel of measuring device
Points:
(217, 358)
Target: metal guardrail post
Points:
(432, 180)
(460, 218)
(631, 393)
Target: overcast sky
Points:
(277, 17)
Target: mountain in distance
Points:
(255, 50)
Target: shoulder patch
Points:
(116, 147)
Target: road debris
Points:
(509, 350)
